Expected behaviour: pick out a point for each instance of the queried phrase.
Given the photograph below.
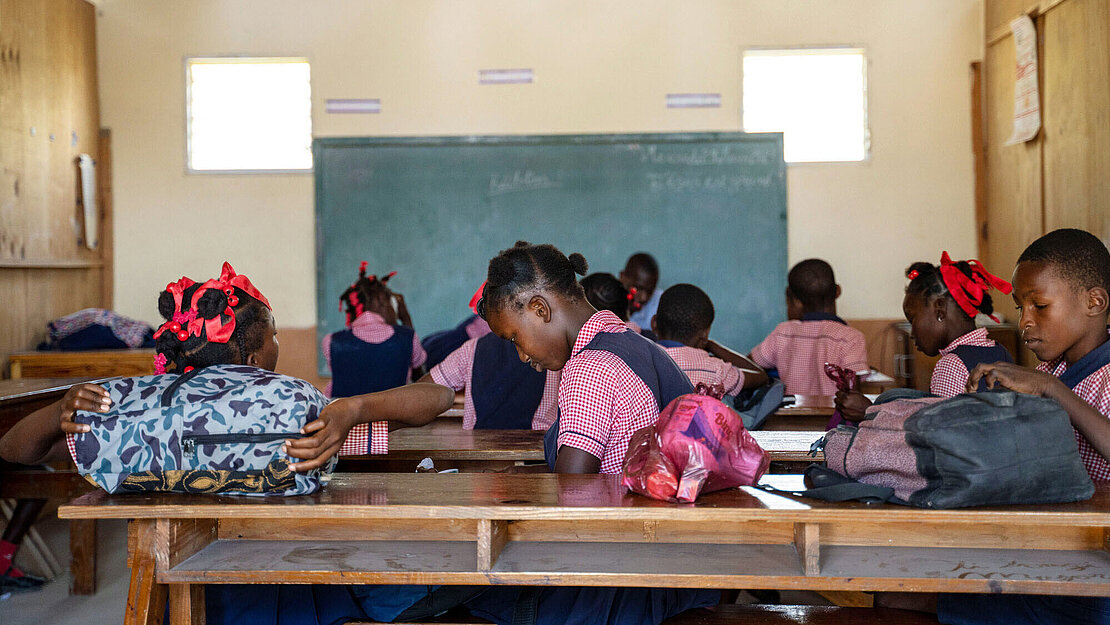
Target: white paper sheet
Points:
(1027, 100)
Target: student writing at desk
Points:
(614, 381)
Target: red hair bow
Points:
(216, 329)
(968, 290)
(178, 291)
(477, 297)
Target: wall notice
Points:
(1027, 101)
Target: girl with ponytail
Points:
(375, 352)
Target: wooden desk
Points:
(451, 447)
(488, 528)
(19, 398)
(805, 413)
(96, 363)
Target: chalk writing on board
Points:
(702, 156)
(729, 183)
(520, 180)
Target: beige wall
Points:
(600, 67)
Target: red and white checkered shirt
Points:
(454, 372)
(950, 373)
(355, 445)
(701, 366)
(800, 349)
(477, 328)
(1095, 390)
(601, 401)
(369, 327)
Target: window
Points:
(816, 97)
(248, 114)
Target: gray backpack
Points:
(219, 429)
(978, 449)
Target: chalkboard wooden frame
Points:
(711, 207)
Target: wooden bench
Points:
(586, 530)
(747, 614)
(89, 364)
(799, 615)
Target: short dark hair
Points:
(684, 310)
(526, 266)
(812, 283)
(605, 292)
(1077, 255)
(642, 260)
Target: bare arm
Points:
(405, 406)
(40, 436)
(754, 375)
(574, 460)
(1093, 425)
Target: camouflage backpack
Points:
(213, 430)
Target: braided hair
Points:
(927, 282)
(529, 267)
(363, 294)
(605, 292)
(196, 352)
(684, 310)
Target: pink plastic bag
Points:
(697, 445)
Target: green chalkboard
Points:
(711, 207)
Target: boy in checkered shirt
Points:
(682, 325)
(1061, 286)
(813, 335)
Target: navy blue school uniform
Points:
(439, 345)
(371, 356)
(959, 357)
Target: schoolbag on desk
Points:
(219, 429)
(979, 449)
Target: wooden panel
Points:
(1014, 206)
(999, 13)
(84, 364)
(82, 546)
(724, 532)
(49, 113)
(492, 537)
(348, 529)
(187, 604)
(1076, 69)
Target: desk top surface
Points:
(556, 497)
(24, 389)
(445, 438)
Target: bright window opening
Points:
(816, 97)
(249, 114)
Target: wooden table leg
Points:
(82, 549)
(146, 600)
(186, 604)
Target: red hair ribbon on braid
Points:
(177, 289)
(968, 290)
(476, 298)
(216, 329)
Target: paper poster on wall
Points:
(1027, 100)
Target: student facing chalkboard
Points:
(374, 353)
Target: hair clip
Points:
(912, 275)
(631, 294)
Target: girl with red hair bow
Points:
(941, 304)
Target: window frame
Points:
(815, 49)
(239, 58)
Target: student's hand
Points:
(1015, 378)
(324, 436)
(852, 405)
(87, 397)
